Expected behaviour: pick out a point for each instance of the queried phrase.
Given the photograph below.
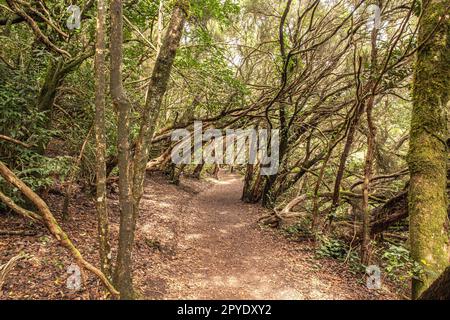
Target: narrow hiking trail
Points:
(222, 253)
(193, 241)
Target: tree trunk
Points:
(353, 124)
(52, 81)
(216, 171)
(175, 177)
(156, 90)
(440, 289)
(365, 245)
(56, 73)
(427, 158)
(248, 179)
(123, 269)
(315, 208)
(370, 155)
(100, 142)
(71, 179)
(198, 171)
(131, 182)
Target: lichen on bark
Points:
(428, 152)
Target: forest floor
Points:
(193, 241)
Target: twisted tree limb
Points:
(277, 216)
(12, 140)
(36, 30)
(6, 268)
(18, 209)
(52, 225)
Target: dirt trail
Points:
(222, 253)
(194, 241)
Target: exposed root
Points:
(275, 219)
(6, 268)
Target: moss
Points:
(428, 153)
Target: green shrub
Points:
(399, 265)
(300, 229)
(332, 248)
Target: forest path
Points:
(193, 241)
(222, 253)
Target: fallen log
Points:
(384, 216)
(394, 210)
(278, 215)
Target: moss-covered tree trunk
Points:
(440, 289)
(157, 88)
(428, 152)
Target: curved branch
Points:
(36, 30)
(12, 140)
(23, 212)
(52, 225)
